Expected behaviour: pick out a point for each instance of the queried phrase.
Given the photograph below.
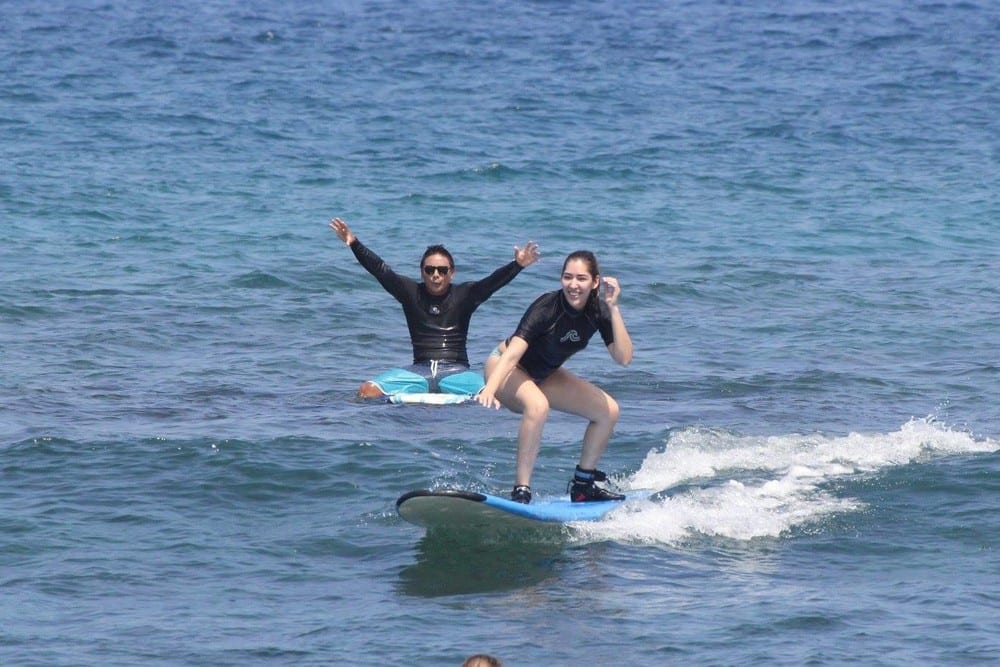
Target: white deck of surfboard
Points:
(430, 399)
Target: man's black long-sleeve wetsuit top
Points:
(439, 325)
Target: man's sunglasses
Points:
(443, 270)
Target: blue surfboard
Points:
(453, 508)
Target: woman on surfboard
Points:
(437, 314)
(525, 374)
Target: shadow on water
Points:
(454, 564)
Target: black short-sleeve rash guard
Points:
(555, 331)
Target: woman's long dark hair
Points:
(593, 306)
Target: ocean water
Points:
(800, 199)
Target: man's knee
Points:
(370, 390)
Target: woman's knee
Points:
(613, 410)
(536, 409)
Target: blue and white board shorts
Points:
(434, 377)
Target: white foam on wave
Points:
(740, 487)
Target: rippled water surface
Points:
(800, 202)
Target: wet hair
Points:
(437, 250)
(482, 660)
(590, 259)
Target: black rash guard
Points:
(555, 331)
(439, 325)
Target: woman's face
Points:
(577, 283)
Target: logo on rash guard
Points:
(570, 335)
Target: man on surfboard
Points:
(437, 312)
(525, 372)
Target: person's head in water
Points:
(482, 660)
(437, 267)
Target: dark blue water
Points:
(799, 200)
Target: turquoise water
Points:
(800, 201)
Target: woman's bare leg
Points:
(519, 393)
(567, 392)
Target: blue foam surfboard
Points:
(452, 508)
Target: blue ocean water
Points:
(800, 200)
